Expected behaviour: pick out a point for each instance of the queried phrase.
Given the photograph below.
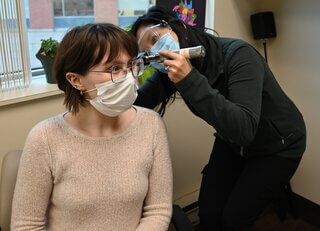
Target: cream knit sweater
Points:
(70, 181)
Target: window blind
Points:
(15, 71)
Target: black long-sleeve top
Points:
(238, 95)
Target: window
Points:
(129, 10)
(69, 13)
(73, 8)
(53, 20)
(14, 60)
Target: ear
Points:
(75, 80)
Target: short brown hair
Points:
(84, 47)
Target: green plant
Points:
(127, 27)
(49, 47)
(146, 74)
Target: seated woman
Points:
(104, 164)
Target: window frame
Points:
(63, 10)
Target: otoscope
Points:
(189, 53)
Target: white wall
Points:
(294, 56)
(190, 140)
(16, 120)
(232, 18)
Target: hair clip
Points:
(164, 23)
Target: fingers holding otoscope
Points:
(175, 63)
(189, 53)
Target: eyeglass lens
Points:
(119, 72)
(151, 35)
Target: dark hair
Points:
(84, 47)
(188, 36)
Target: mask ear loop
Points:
(87, 91)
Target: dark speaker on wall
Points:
(263, 26)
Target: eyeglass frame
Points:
(163, 24)
(122, 78)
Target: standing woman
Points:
(260, 134)
(104, 164)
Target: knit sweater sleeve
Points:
(34, 184)
(157, 208)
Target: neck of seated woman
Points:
(90, 122)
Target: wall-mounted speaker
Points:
(263, 25)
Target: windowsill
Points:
(38, 88)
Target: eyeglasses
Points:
(119, 71)
(150, 35)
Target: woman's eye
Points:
(117, 68)
(155, 38)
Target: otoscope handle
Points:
(189, 53)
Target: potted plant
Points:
(46, 56)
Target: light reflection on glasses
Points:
(119, 72)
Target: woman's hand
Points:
(177, 65)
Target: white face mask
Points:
(115, 98)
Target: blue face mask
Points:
(166, 42)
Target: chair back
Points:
(180, 220)
(9, 170)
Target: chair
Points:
(180, 220)
(9, 172)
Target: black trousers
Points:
(235, 190)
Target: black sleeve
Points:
(154, 90)
(235, 118)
